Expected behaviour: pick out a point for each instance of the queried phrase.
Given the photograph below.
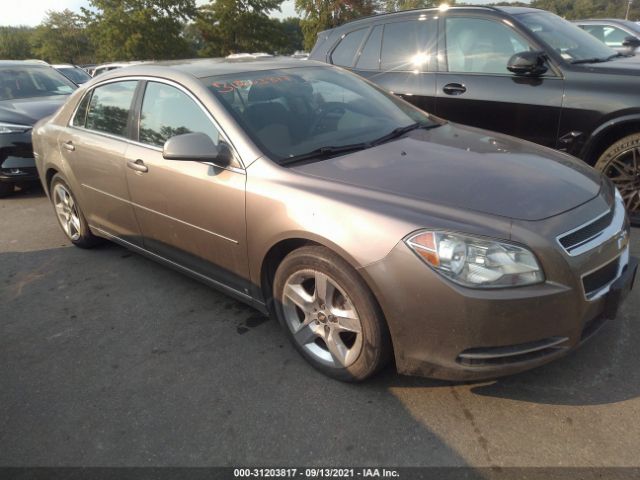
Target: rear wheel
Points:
(69, 215)
(330, 315)
(621, 163)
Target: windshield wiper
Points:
(328, 151)
(592, 60)
(324, 152)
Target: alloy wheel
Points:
(624, 171)
(67, 211)
(322, 318)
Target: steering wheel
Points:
(324, 111)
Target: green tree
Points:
(139, 29)
(293, 33)
(15, 43)
(319, 15)
(62, 38)
(234, 26)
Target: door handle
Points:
(454, 89)
(69, 146)
(138, 166)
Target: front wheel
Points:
(621, 163)
(69, 215)
(330, 314)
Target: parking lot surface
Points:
(109, 359)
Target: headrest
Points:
(263, 93)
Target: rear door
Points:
(399, 55)
(475, 88)
(192, 213)
(94, 145)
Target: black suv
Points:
(516, 70)
(29, 91)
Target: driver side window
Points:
(476, 45)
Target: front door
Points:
(192, 213)
(94, 146)
(475, 88)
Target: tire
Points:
(6, 188)
(330, 315)
(69, 215)
(618, 163)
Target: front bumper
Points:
(17, 164)
(443, 330)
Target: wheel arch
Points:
(607, 134)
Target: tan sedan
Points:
(369, 228)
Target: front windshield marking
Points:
(295, 111)
(567, 39)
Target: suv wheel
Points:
(69, 215)
(330, 314)
(621, 163)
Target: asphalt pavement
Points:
(109, 359)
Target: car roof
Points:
(209, 67)
(24, 63)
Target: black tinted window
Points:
(408, 46)
(346, 50)
(167, 112)
(109, 107)
(81, 113)
(370, 56)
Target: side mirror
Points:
(631, 42)
(528, 63)
(197, 147)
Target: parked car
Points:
(107, 67)
(621, 35)
(74, 73)
(520, 71)
(29, 91)
(363, 224)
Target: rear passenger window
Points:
(167, 112)
(81, 113)
(110, 106)
(408, 46)
(370, 56)
(345, 52)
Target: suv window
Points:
(110, 106)
(167, 112)
(408, 46)
(476, 45)
(608, 34)
(369, 58)
(80, 117)
(345, 52)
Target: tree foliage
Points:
(15, 43)
(319, 15)
(138, 29)
(234, 26)
(62, 38)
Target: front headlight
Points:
(13, 128)
(475, 261)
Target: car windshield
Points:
(295, 112)
(570, 41)
(75, 74)
(633, 26)
(32, 81)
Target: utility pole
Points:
(626, 17)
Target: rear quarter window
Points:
(344, 54)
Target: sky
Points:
(32, 12)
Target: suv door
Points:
(94, 145)
(398, 55)
(191, 213)
(475, 88)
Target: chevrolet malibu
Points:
(371, 230)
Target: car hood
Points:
(468, 168)
(27, 111)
